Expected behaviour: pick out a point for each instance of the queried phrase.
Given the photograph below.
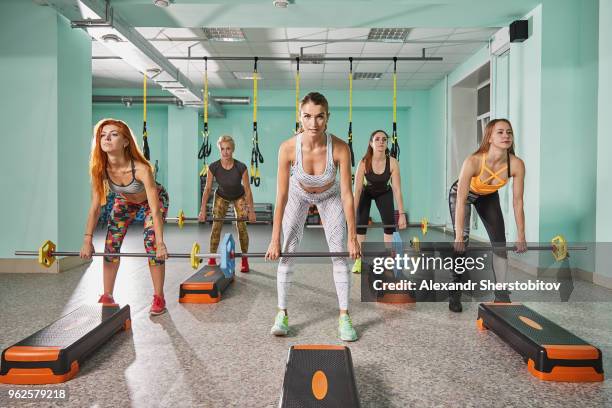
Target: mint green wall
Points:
(43, 125)
(183, 185)
(569, 119)
(438, 190)
(472, 64)
(604, 139)
(29, 150)
(604, 135)
(74, 119)
(157, 128)
(524, 105)
(569, 122)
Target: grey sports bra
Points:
(311, 180)
(134, 187)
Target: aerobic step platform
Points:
(319, 376)
(55, 353)
(551, 352)
(204, 286)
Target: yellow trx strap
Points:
(395, 150)
(297, 95)
(256, 156)
(145, 136)
(350, 129)
(205, 149)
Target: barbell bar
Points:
(424, 225)
(558, 247)
(181, 219)
(47, 252)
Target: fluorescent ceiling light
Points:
(246, 75)
(162, 3)
(224, 34)
(388, 34)
(111, 38)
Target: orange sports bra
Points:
(481, 187)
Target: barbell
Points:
(47, 254)
(424, 225)
(181, 219)
(227, 254)
(558, 246)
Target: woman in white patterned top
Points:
(307, 164)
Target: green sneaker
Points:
(345, 328)
(281, 324)
(357, 266)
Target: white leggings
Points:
(330, 209)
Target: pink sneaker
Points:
(106, 300)
(158, 306)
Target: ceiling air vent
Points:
(367, 75)
(308, 58)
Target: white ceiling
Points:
(453, 45)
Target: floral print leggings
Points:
(122, 215)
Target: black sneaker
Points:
(454, 302)
(502, 296)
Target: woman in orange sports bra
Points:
(482, 175)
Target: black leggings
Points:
(489, 210)
(384, 202)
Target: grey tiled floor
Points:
(221, 355)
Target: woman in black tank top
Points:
(381, 187)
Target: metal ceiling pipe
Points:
(233, 100)
(70, 10)
(168, 100)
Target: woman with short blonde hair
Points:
(233, 188)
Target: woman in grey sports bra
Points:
(307, 165)
(118, 165)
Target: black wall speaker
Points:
(519, 30)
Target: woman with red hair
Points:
(117, 164)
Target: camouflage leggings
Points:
(219, 210)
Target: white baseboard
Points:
(12, 265)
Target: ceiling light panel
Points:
(226, 34)
(388, 34)
(246, 75)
